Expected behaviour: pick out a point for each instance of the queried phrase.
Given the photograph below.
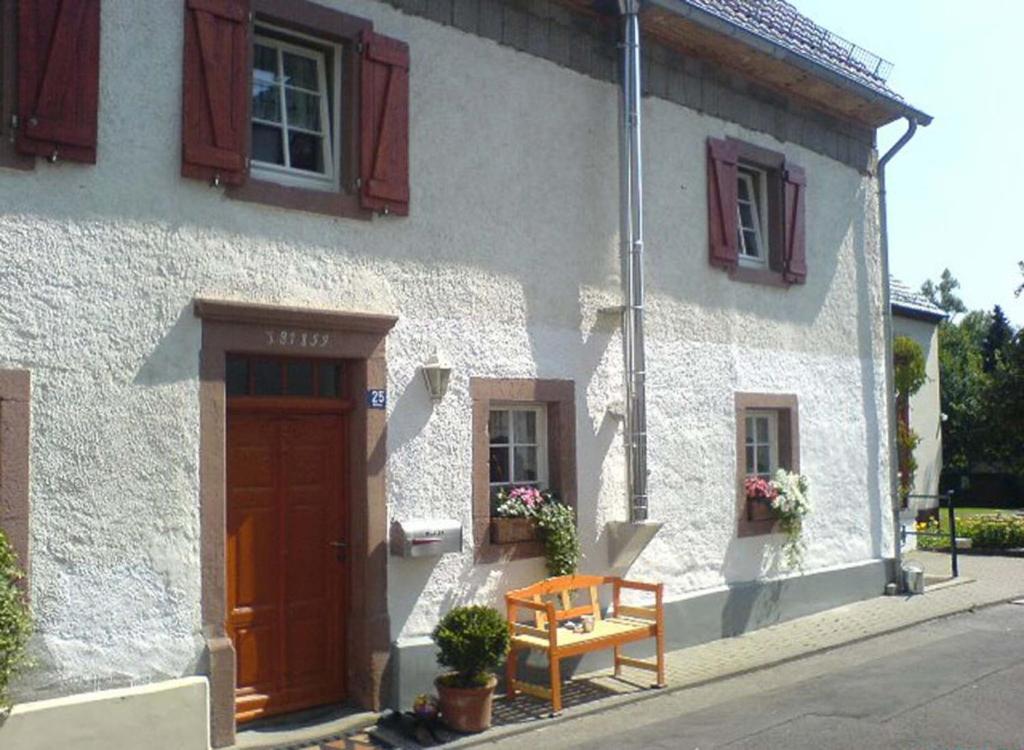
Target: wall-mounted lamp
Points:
(436, 372)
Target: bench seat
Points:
(614, 630)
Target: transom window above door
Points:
(248, 375)
(518, 446)
(296, 88)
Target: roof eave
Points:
(917, 313)
(699, 16)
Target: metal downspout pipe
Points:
(632, 234)
(890, 384)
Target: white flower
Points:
(791, 505)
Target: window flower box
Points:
(511, 530)
(760, 509)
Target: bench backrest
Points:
(560, 591)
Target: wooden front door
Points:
(286, 552)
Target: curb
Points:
(501, 733)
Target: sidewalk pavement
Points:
(983, 581)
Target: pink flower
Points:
(528, 496)
(758, 487)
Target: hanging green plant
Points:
(555, 521)
(557, 524)
(15, 625)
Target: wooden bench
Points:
(626, 624)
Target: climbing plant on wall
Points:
(15, 625)
(909, 371)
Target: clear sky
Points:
(953, 197)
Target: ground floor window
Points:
(518, 453)
(767, 439)
(524, 435)
(762, 439)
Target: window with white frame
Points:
(518, 446)
(296, 85)
(762, 443)
(752, 209)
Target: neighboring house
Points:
(918, 318)
(221, 281)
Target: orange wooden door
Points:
(286, 576)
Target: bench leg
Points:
(556, 685)
(618, 667)
(510, 675)
(661, 657)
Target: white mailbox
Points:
(426, 537)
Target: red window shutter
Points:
(215, 111)
(58, 78)
(384, 125)
(794, 255)
(722, 202)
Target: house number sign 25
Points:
(300, 339)
(377, 398)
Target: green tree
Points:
(964, 390)
(999, 336)
(1006, 407)
(943, 293)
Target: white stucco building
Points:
(917, 318)
(220, 281)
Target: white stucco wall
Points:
(925, 409)
(510, 250)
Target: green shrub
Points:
(15, 625)
(990, 531)
(472, 641)
(996, 531)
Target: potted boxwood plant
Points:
(471, 641)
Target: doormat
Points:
(406, 732)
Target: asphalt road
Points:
(953, 684)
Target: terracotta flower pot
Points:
(509, 530)
(466, 709)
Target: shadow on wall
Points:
(751, 606)
(174, 359)
(753, 601)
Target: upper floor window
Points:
(751, 213)
(295, 109)
(756, 200)
(304, 107)
(49, 81)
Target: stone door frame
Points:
(267, 329)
